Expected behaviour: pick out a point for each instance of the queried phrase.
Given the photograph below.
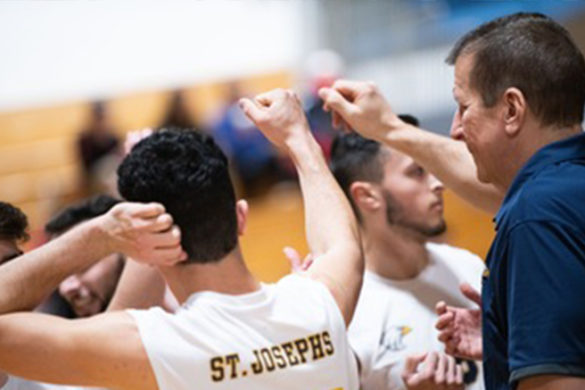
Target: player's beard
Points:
(395, 216)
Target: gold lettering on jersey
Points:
(268, 359)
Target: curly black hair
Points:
(186, 172)
(13, 223)
(82, 211)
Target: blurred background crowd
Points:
(76, 76)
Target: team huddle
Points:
(380, 305)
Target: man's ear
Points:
(242, 214)
(514, 110)
(366, 196)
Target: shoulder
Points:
(555, 194)
(466, 265)
(302, 287)
(455, 256)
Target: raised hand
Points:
(362, 106)
(432, 371)
(144, 232)
(460, 328)
(278, 114)
(296, 263)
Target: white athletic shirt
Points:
(395, 319)
(288, 335)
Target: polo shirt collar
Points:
(554, 153)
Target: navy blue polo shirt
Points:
(534, 290)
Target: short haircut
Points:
(188, 173)
(79, 212)
(533, 53)
(13, 223)
(355, 158)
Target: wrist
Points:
(300, 143)
(97, 236)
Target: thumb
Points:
(411, 364)
(337, 102)
(251, 109)
(470, 293)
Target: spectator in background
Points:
(178, 114)
(98, 148)
(88, 292)
(253, 157)
(321, 69)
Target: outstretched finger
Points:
(451, 370)
(458, 374)
(445, 320)
(430, 364)
(411, 365)
(470, 293)
(252, 109)
(441, 307)
(442, 363)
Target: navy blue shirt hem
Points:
(547, 369)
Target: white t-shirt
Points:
(395, 319)
(288, 335)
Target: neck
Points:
(527, 144)
(394, 253)
(227, 276)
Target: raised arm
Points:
(331, 228)
(141, 287)
(103, 351)
(363, 107)
(140, 230)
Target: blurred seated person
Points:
(86, 293)
(98, 148)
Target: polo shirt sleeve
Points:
(546, 300)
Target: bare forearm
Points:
(25, 282)
(449, 161)
(329, 219)
(140, 287)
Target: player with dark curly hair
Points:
(231, 331)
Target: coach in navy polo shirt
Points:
(534, 295)
(520, 88)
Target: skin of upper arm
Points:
(552, 382)
(104, 351)
(338, 273)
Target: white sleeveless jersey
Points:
(395, 319)
(288, 335)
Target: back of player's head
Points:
(355, 158)
(533, 53)
(186, 172)
(79, 212)
(13, 223)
